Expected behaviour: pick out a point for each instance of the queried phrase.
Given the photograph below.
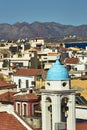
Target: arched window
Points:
(48, 99)
(64, 108)
(49, 110)
(25, 109)
(18, 108)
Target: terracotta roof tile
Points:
(71, 61)
(7, 97)
(4, 84)
(81, 126)
(28, 97)
(9, 122)
(27, 72)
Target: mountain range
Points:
(38, 29)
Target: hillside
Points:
(38, 29)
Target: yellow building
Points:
(80, 85)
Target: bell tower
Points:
(58, 100)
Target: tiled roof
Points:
(7, 97)
(4, 85)
(71, 61)
(28, 97)
(81, 126)
(27, 72)
(9, 122)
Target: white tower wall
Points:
(58, 100)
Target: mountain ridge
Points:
(40, 29)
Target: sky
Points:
(67, 12)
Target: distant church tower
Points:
(58, 100)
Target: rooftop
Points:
(28, 97)
(7, 97)
(71, 61)
(9, 122)
(27, 72)
(5, 85)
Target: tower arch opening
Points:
(49, 111)
(64, 108)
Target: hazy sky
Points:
(72, 12)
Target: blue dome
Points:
(57, 72)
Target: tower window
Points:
(64, 84)
(48, 83)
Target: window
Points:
(85, 66)
(27, 84)
(75, 69)
(18, 108)
(48, 83)
(19, 83)
(30, 55)
(64, 84)
(25, 109)
(33, 82)
(5, 55)
(82, 57)
(39, 77)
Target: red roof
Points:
(28, 97)
(9, 122)
(71, 61)
(7, 97)
(27, 72)
(5, 84)
(81, 126)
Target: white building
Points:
(82, 58)
(25, 78)
(36, 42)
